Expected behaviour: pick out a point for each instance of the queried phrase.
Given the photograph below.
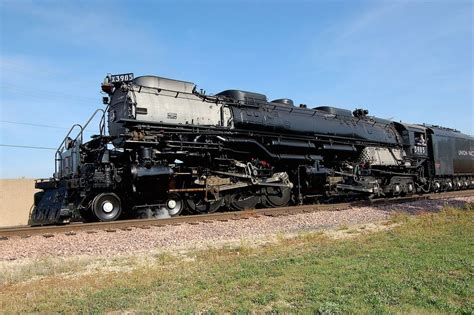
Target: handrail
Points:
(60, 148)
(101, 125)
(80, 136)
(63, 143)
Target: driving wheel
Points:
(197, 204)
(106, 207)
(276, 196)
(243, 199)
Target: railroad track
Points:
(73, 228)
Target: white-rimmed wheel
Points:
(106, 207)
(174, 205)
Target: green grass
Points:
(423, 266)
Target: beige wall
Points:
(16, 199)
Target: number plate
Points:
(419, 150)
(126, 77)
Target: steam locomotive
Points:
(171, 148)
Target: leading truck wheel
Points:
(174, 205)
(106, 207)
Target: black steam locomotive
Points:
(170, 147)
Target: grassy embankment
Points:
(424, 266)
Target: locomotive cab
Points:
(414, 139)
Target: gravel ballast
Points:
(107, 244)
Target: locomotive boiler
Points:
(164, 147)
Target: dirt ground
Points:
(16, 199)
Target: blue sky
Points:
(404, 60)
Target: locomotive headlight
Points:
(108, 88)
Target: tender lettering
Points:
(465, 153)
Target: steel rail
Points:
(49, 231)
